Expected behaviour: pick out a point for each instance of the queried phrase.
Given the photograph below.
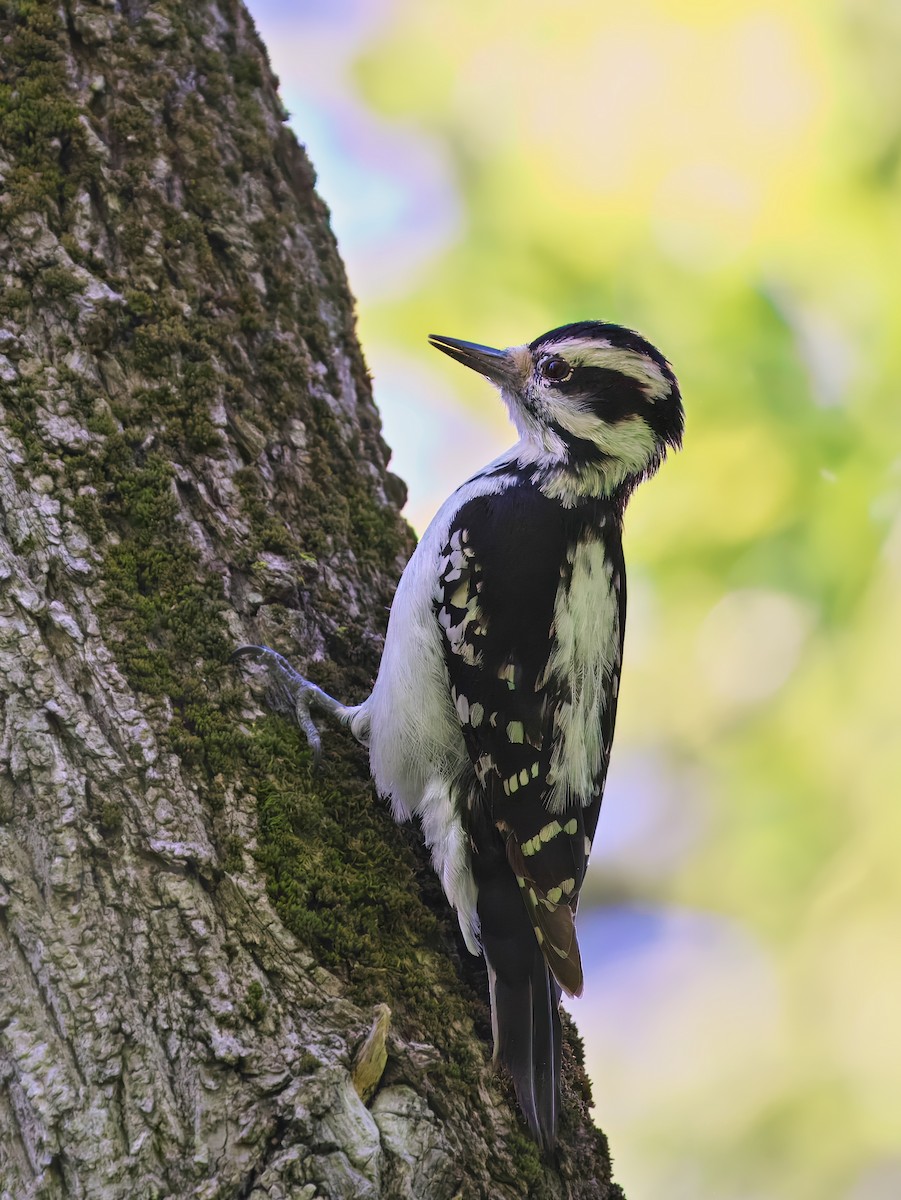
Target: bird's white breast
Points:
(416, 750)
(414, 728)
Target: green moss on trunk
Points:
(174, 295)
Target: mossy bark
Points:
(197, 936)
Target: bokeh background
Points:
(724, 178)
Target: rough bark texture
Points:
(196, 936)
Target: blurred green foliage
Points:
(725, 179)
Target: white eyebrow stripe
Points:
(575, 347)
(590, 352)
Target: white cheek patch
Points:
(631, 442)
(578, 421)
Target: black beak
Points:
(495, 365)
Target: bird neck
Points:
(570, 477)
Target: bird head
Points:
(596, 406)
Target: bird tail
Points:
(525, 1005)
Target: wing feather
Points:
(533, 651)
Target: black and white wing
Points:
(532, 605)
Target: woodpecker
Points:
(492, 714)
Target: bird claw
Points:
(289, 691)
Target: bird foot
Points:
(291, 693)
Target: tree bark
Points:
(221, 976)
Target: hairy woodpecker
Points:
(492, 714)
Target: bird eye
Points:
(556, 370)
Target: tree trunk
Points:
(197, 935)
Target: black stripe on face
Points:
(610, 394)
(580, 451)
(614, 397)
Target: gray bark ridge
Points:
(219, 976)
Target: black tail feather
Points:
(528, 1044)
(525, 1001)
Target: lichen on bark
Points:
(196, 933)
